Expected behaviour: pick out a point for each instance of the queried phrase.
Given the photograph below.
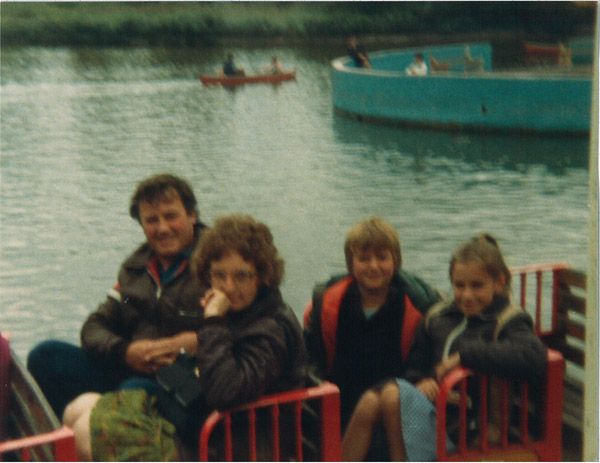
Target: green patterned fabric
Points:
(126, 426)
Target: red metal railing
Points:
(61, 439)
(542, 273)
(515, 441)
(323, 400)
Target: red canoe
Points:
(240, 80)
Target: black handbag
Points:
(180, 398)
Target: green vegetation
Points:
(205, 23)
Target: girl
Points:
(465, 331)
(250, 344)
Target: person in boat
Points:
(148, 316)
(357, 52)
(565, 56)
(230, 69)
(418, 67)
(250, 343)
(479, 329)
(274, 67)
(359, 327)
(471, 64)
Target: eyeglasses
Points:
(239, 278)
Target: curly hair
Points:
(483, 249)
(251, 239)
(372, 234)
(159, 187)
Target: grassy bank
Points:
(205, 23)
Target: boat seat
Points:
(297, 425)
(516, 423)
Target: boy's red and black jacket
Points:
(322, 316)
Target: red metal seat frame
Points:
(547, 447)
(326, 394)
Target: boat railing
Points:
(554, 294)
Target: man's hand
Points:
(148, 355)
(139, 356)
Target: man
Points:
(150, 315)
(417, 67)
(357, 52)
(229, 67)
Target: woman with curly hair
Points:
(249, 344)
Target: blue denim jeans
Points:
(63, 371)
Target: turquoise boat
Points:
(462, 91)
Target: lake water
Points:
(80, 127)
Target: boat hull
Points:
(483, 100)
(242, 80)
(28, 412)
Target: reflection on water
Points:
(81, 127)
(482, 151)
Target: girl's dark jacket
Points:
(514, 352)
(246, 354)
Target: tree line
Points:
(205, 23)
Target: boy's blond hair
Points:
(372, 234)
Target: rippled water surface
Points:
(79, 128)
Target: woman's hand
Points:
(215, 303)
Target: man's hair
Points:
(160, 187)
(373, 234)
(251, 239)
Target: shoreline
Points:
(370, 41)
